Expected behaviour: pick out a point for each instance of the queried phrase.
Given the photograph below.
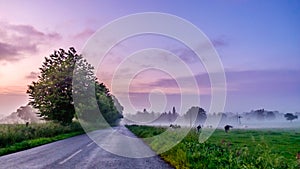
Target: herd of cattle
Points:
(226, 128)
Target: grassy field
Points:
(236, 149)
(16, 137)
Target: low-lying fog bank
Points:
(258, 119)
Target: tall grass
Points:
(14, 137)
(237, 149)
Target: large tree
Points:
(106, 104)
(290, 116)
(52, 94)
(196, 115)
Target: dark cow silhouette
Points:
(227, 127)
(175, 126)
(198, 128)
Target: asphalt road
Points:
(81, 152)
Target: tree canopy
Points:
(195, 115)
(290, 116)
(52, 93)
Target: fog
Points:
(258, 119)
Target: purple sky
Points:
(258, 43)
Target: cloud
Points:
(166, 82)
(271, 82)
(32, 75)
(8, 52)
(25, 29)
(246, 89)
(18, 40)
(13, 89)
(170, 85)
(189, 56)
(201, 79)
(220, 42)
(249, 82)
(186, 54)
(30, 31)
(84, 34)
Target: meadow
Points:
(16, 137)
(240, 148)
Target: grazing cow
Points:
(198, 128)
(175, 126)
(227, 127)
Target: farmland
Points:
(260, 148)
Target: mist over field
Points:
(254, 119)
(22, 115)
(258, 119)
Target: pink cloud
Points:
(13, 89)
(243, 82)
(84, 34)
(7, 52)
(17, 40)
(189, 56)
(32, 75)
(25, 29)
(264, 82)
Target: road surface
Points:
(80, 152)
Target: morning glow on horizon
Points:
(257, 41)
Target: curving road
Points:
(80, 152)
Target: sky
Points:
(258, 43)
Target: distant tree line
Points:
(197, 116)
(194, 116)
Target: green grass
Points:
(236, 149)
(17, 137)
